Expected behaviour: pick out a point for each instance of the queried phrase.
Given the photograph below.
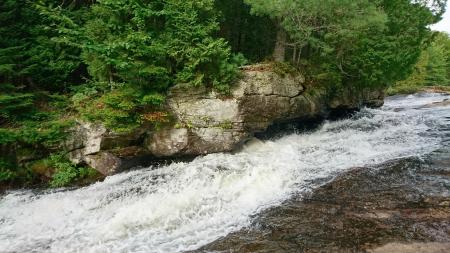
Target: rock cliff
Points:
(209, 122)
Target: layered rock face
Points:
(209, 122)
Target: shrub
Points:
(64, 177)
(121, 109)
(66, 173)
(7, 173)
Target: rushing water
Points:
(186, 205)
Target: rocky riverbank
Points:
(266, 100)
(207, 122)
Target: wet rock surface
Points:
(401, 206)
(438, 104)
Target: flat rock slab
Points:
(433, 247)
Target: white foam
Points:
(186, 205)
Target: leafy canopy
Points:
(361, 43)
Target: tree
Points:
(431, 69)
(153, 44)
(307, 22)
(135, 50)
(437, 67)
(250, 35)
(399, 47)
(30, 62)
(28, 56)
(442, 40)
(366, 42)
(332, 26)
(276, 10)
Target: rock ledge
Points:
(208, 122)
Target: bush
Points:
(66, 173)
(65, 176)
(45, 134)
(7, 173)
(120, 109)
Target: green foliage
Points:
(30, 126)
(118, 109)
(151, 45)
(29, 59)
(7, 175)
(65, 173)
(15, 105)
(369, 43)
(42, 122)
(312, 22)
(431, 70)
(87, 173)
(443, 41)
(437, 67)
(11, 174)
(415, 81)
(113, 61)
(135, 50)
(7, 171)
(247, 34)
(33, 68)
(390, 55)
(47, 133)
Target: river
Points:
(187, 205)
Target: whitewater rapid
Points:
(186, 205)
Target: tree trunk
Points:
(279, 53)
(294, 54)
(299, 56)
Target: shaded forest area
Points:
(113, 61)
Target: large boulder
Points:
(211, 122)
(168, 142)
(86, 139)
(106, 151)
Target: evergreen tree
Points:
(29, 60)
(135, 50)
(153, 44)
(28, 56)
